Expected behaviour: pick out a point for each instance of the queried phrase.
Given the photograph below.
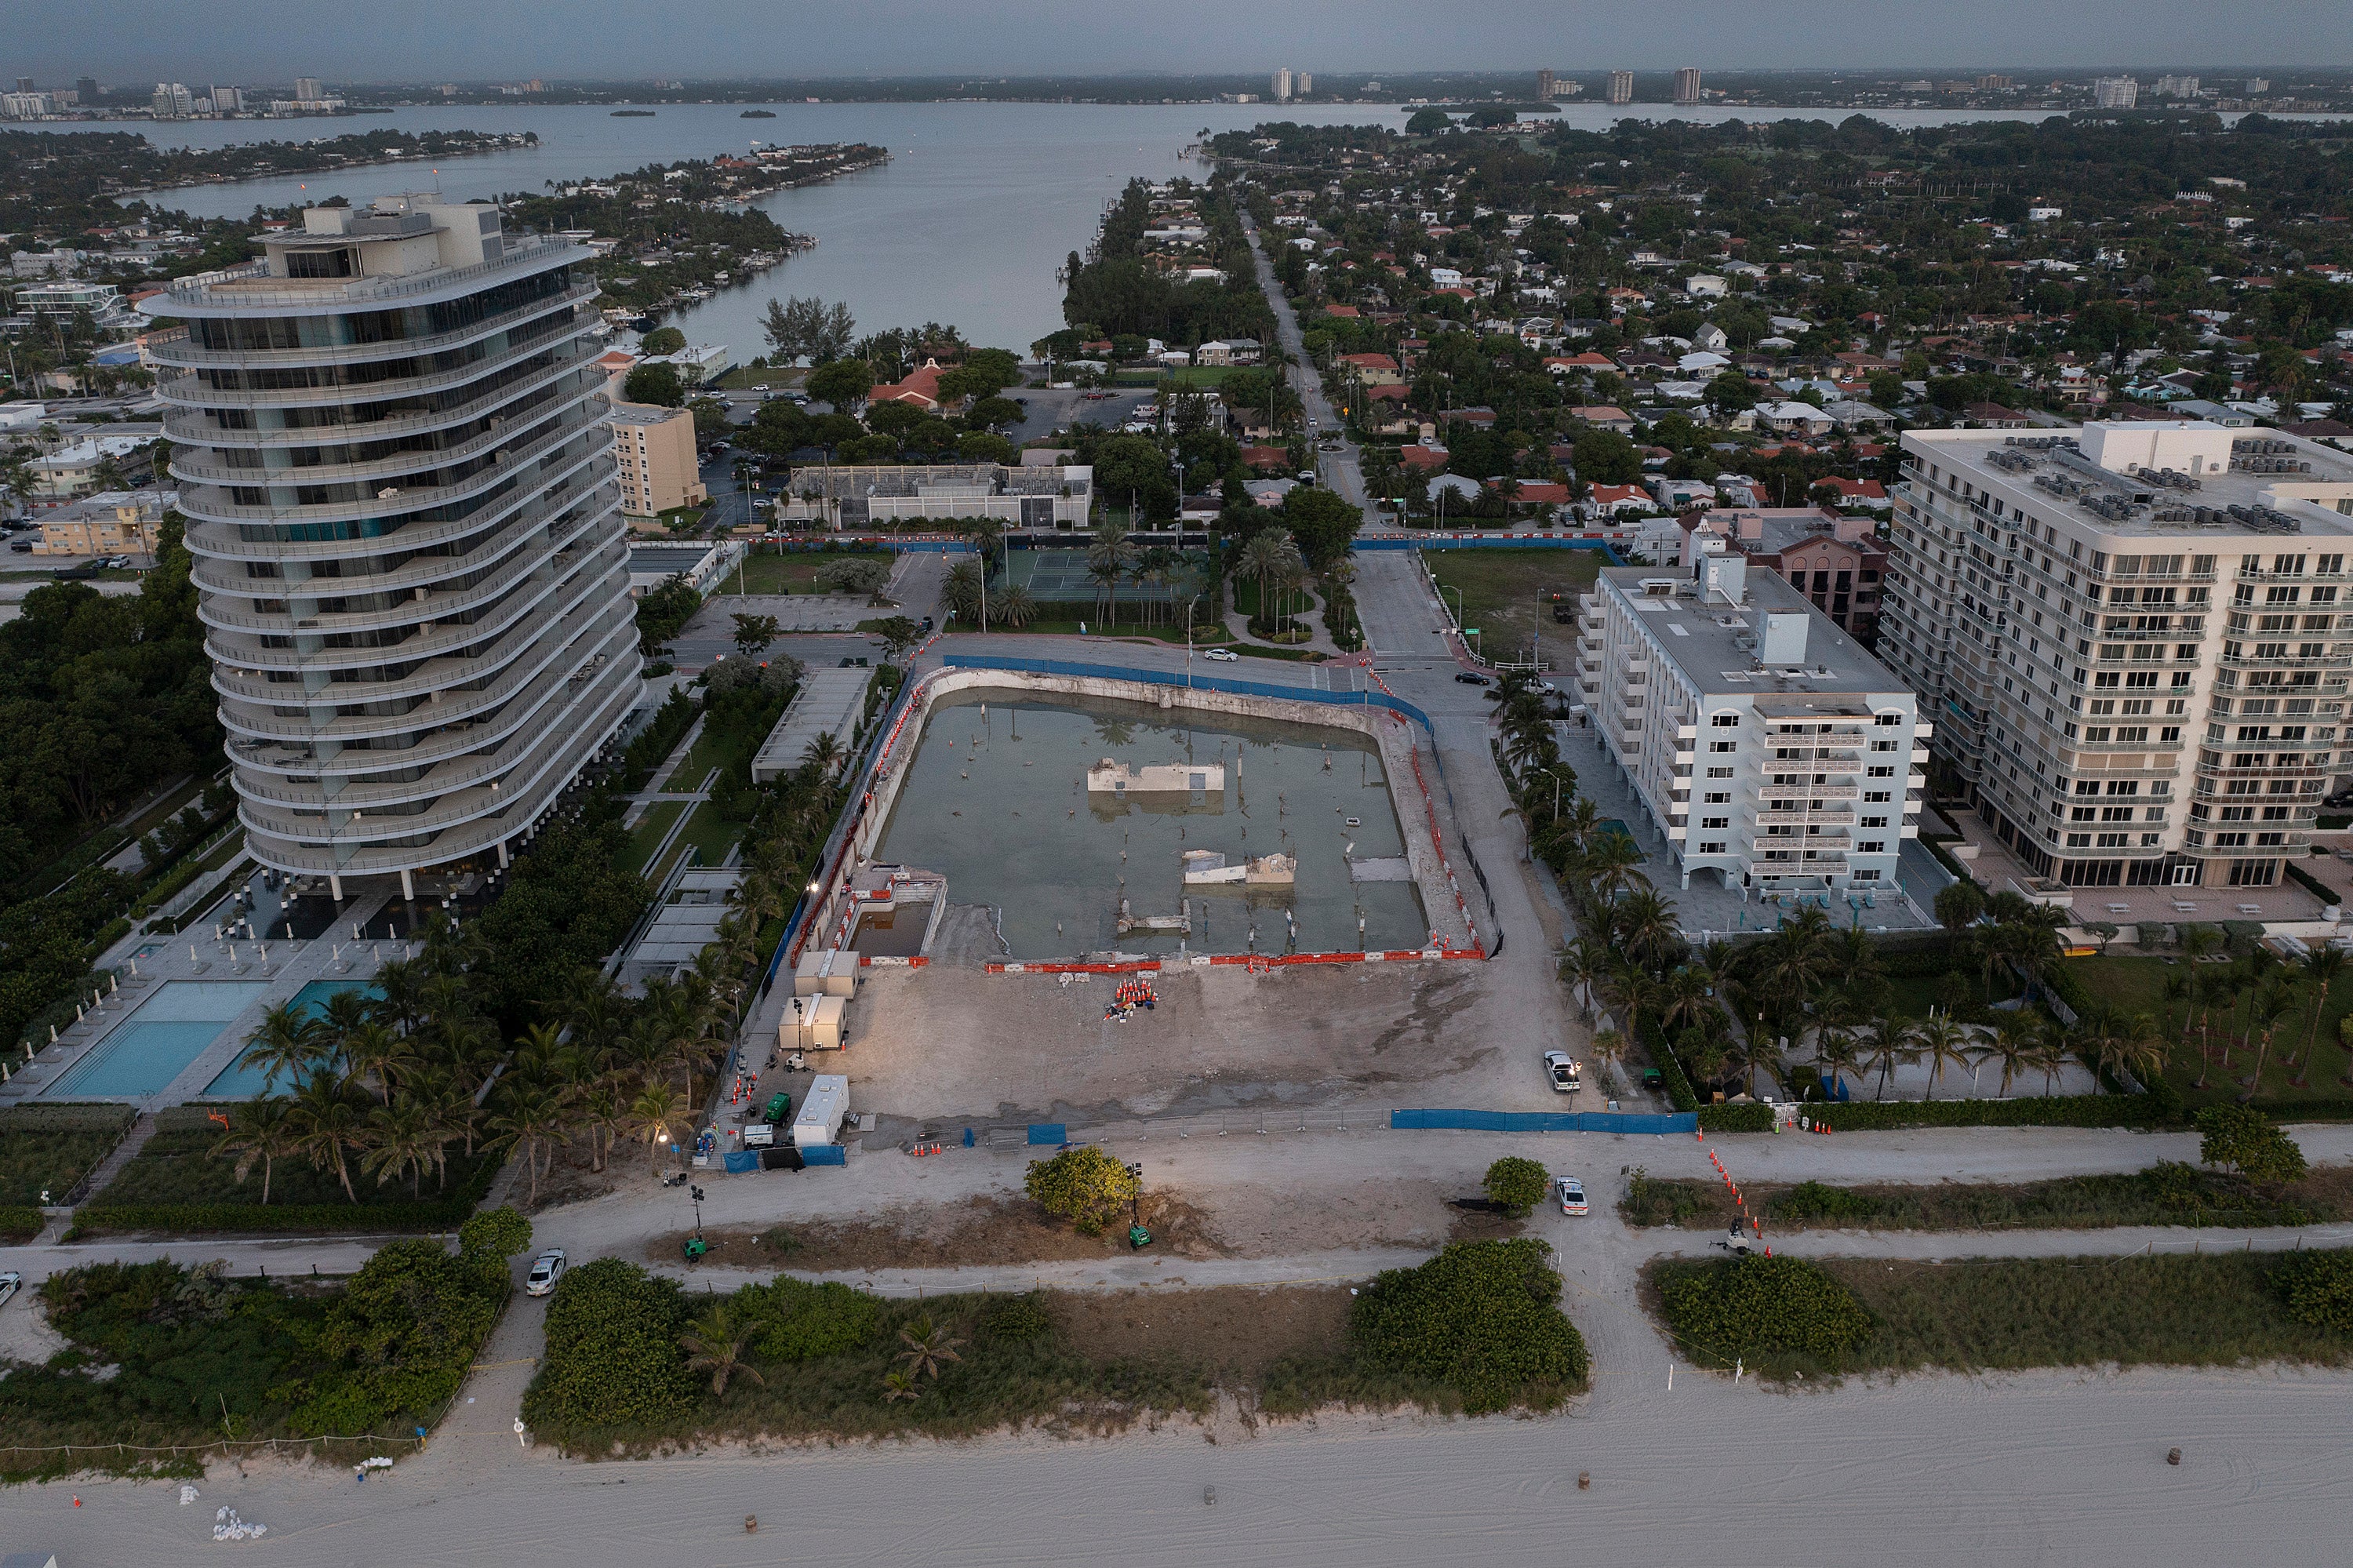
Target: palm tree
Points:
(373, 1050)
(714, 1344)
(1613, 864)
(260, 1129)
(899, 1385)
(1608, 1048)
(327, 1122)
(1942, 1040)
(962, 590)
(651, 1116)
(1630, 988)
(1647, 926)
(288, 1040)
(2321, 966)
(2015, 1036)
(927, 1347)
(1838, 1051)
(1584, 963)
(1012, 607)
(2110, 1041)
(1106, 563)
(532, 1120)
(405, 1137)
(2274, 1004)
(1891, 1046)
(1690, 991)
(821, 758)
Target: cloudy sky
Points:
(261, 40)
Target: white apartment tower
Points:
(1687, 85)
(1622, 87)
(2115, 91)
(306, 89)
(390, 444)
(1279, 88)
(2136, 639)
(1767, 745)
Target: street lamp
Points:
(1458, 604)
(1188, 640)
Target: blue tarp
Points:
(741, 1161)
(826, 1154)
(1048, 1134)
(1542, 1121)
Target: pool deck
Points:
(145, 963)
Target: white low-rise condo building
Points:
(1767, 745)
(2133, 638)
(390, 444)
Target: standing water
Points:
(997, 799)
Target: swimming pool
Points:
(241, 1082)
(154, 1045)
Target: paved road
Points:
(1340, 469)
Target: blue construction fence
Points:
(1542, 1121)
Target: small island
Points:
(757, 114)
(633, 114)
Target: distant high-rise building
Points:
(1687, 85)
(2176, 87)
(229, 100)
(86, 88)
(1303, 82)
(24, 84)
(1993, 84)
(408, 555)
(2116, 92)
(171, 101)
(306, 89)
(1622, 87)
(2258, 85)
(1280, 91)
(1544, 87)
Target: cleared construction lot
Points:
(937, 1048)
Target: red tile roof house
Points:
(1373, 369)
(921, 388)
(1864, 492)
(1610, 500)
(1429, 460)
(1350, 312)
(1263, 458)
(1561, 365)
(1537, 492)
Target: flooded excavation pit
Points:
(1090, 824)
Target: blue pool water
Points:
(238, 1082)
(154, 1045)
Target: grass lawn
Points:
(794, 571)
(51, 1147)
(712, 834)
(2138, 985)
(2006, 1313)
(174, 1167)
(765, 376)
(2161, 1195)
(1499, 588)
(1915, 994)
(648, 835)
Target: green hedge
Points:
(2060, 983)
(1736, 1118)
(2304, 1110)
(274, 1219)
(2313, 885)
(1671, 1071)
(20, 1224)
(445, 1214)
(2050, 1110)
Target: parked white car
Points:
(1221, 655)
(10, 1283)
(1572, 1194)
(1563, 1071)
(545, 1270)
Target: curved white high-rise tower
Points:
(390, 444)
